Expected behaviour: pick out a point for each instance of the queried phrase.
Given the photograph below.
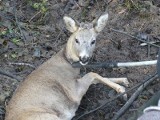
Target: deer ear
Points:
(70, 24)
(101, 22)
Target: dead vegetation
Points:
(31, 31)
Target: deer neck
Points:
(70, 52)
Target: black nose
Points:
(84, 59)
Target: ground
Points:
(32, 31)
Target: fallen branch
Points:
(9, 75)
(116, 64)
(114, 98)
(23, 64)
(125, 33)
(151, 102)
(133, 97)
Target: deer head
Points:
(81, 43)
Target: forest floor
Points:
(31, 31)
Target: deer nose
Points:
(84, 59)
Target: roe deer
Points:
(54, 90)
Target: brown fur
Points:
(54, 90)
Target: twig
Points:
(152, 101)
(57, 37)
(158, 64)
(114, 98)
(125, 33)
(20, 30)
(75, 2)
(9, 75)
(133, 97)
(34, 16)
(23, 64)
(60, 7)
(22, 72)
(109, 2)
(116, 64)
(5, 16)
(149, 49)
(98, 5)
(134, 4)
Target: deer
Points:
(54, 90)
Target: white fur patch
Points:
(83, 54)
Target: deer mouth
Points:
(84, 60)
(83, 63)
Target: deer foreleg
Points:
(93, 78)
(123, 81)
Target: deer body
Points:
(55, 89)
(50, 94)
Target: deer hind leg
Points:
(38, 116)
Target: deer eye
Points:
(77, 41)
(93, 42)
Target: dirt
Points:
(33, 31)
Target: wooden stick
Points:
(152, 101)
(9, 75)
(132, 98)
(22, 64)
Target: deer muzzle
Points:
(84, 60)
